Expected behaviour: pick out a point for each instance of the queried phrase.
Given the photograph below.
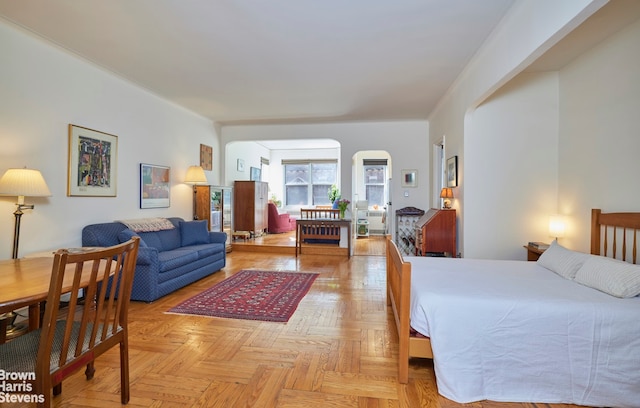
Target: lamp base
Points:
(14, 329)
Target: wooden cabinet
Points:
(436, 233)
(215, 204)
(533, 253)
(250, 210)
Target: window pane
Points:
(374, 174)
(375, 195)
(321, 194)
(296, 174)
(296, 195)
(323, 173)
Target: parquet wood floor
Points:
(338, 350)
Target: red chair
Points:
(279, 222)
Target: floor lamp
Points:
(21, 183)
(195, 176)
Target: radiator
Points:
(376, 224)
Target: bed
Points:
(517, 331)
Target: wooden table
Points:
(329, 222)
(25, 282)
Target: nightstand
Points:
(533, 253)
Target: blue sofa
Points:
(167, 260)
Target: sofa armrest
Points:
(147, 256)
(217, 237)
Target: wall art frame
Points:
(240, 165)
(255, 174)
(409, 178)
(452, 171)
(206, 157)
(155, 186)
(92, 163)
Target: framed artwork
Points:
(240, 165)
(409, 178)
(92, 164)
(206, 157)
(452, 172)
(255, 174)
(155, 184)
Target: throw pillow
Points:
(127, 234)
(561, 260)
(617, 278)
(194, 232)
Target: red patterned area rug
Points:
(251, 295)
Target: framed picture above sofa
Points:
(155, 185)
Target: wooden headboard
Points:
(608, 229)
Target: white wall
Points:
(600, 133)
(42, 90)
(530, 28)
(511, 168)
(405, 141)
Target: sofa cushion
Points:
(175, 258)
(194, 232)
(127, 234)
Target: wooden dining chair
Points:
(99, 285)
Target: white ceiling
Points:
(276, 61)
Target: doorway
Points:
(371, 204)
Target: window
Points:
(307, 183)
(375, 181)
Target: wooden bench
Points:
(319, 231)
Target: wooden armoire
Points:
(250, 209)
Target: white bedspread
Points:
(515, 331)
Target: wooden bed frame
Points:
(605, 228)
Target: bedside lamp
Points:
(556, 226)
(447, 194)
(20, 183)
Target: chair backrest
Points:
(273, 210)
(99, 283)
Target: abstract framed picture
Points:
(255, 174)
(409, 178)
(452, 171)
(206, 157)
(155, 185)
(92, 163)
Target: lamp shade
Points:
(556, 226)
(446, 193)
(23, 183)
(195, 175)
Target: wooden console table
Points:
(322, 222)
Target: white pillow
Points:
(561, 260)
(617, 278)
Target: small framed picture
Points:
(409, 178)
(255, 174)
(452, 172)
(240, 165)
(206, 157)
(92, 164)
(155, 185)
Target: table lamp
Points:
(556, 226)
(447, 194)
(21, 183)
